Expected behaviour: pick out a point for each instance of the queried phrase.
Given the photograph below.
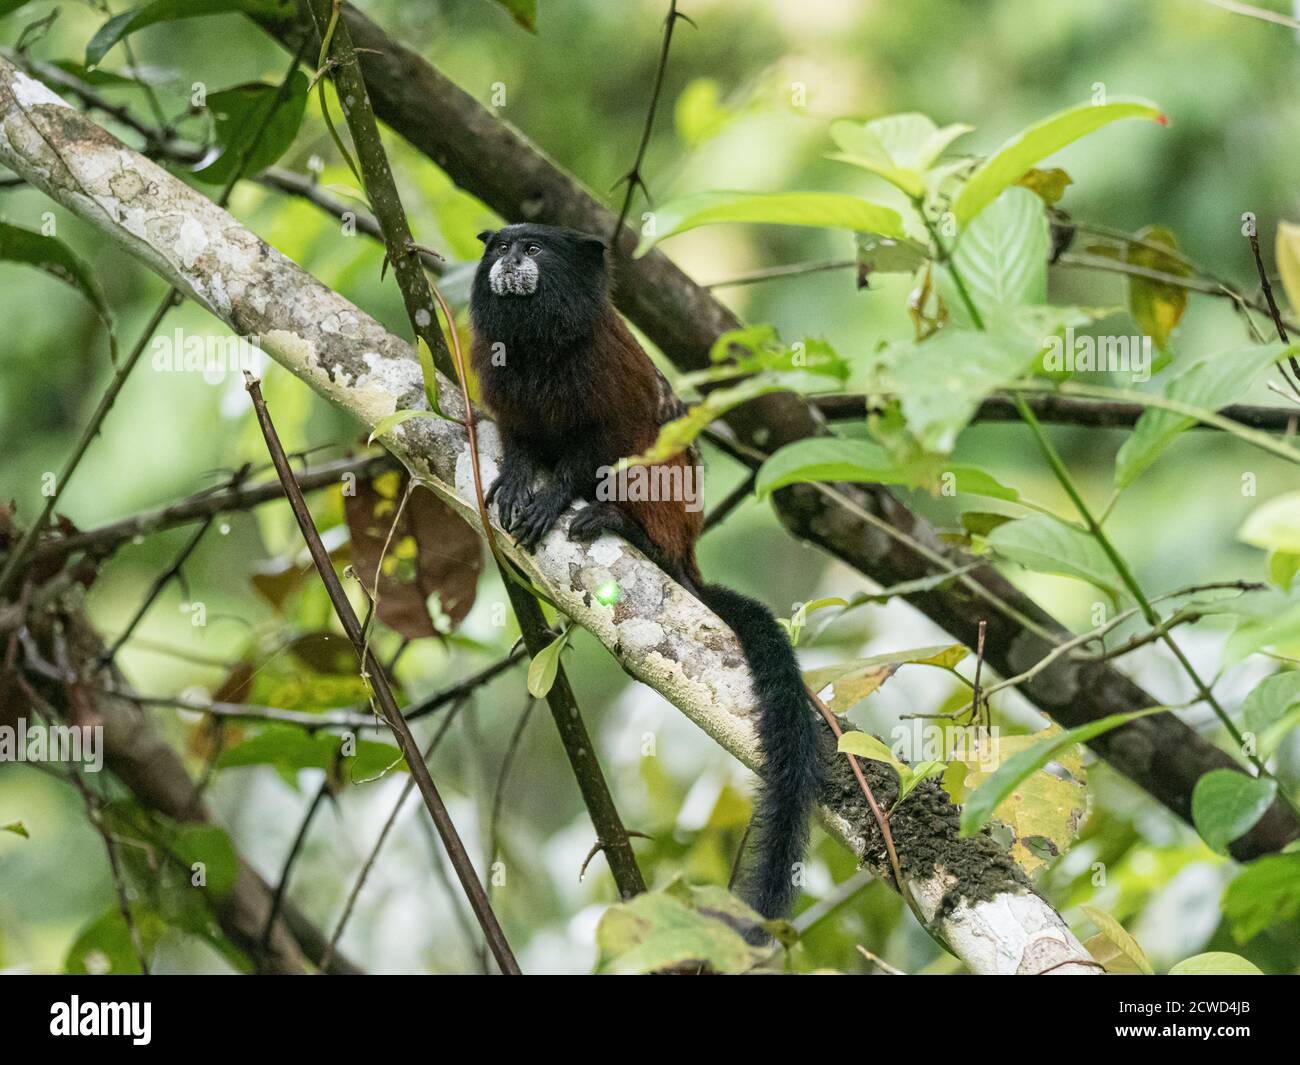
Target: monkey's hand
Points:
(513, 488)
(541, 512)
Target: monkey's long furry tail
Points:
(791, 777)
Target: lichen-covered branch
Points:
(968, 889)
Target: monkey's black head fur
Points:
(540, 286)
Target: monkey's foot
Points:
(596, 520)
(600, 518)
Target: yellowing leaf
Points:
(854, 681)
(1130, 955)
(1156, 306)
(1287, 252)
(1048, 185)
(1044, 811)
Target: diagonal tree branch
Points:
(866, 527)
(968, 890)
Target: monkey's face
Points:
(538, 283)
(513, 269)
(521, 259)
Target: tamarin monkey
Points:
(572, 392)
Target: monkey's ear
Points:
(593, 244)
(487, 235)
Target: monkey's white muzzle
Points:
(513, 279)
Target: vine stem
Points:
(882, 819)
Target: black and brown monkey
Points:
(572, 392)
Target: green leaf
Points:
(986, 798)
(210, 845)
(1048, 185)
(387, 425)
(864, 745)
(1271, 710)
(1015, 158)
(899, 148)
(1216, 963)
(138, 18)
(545, 666)
(1208, 383)
(1282, 568)
(1116, 934)
(1265, 893)
(941, 381)
(663, 930)
(1046, 545)
(1274, 525)
(1001, 257)
(523, 12)
(794, 627)
(834, 210)
(908, 781)
(25, 246)
(105, 948)
(678, 435)
(1227, 804)
(254, 126)
(7, 7)
(885, 255)
(17, 828)
(758, 348)
(430, 374)
(699, 112)
(1266, 619)
(291, 749)
(99, 78)
(828, 458)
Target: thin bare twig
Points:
(291, 859)
(979, 668)
(879, 962)
(734, 498)
(374, 672)
(1252, 232)
(384, 832)
(633, 177)
(105, 539)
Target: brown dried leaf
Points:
(432, 551)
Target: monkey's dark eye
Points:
(533, 249)
(501, 248)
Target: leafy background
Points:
(1226, 85)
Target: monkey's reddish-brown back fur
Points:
(612, 404)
